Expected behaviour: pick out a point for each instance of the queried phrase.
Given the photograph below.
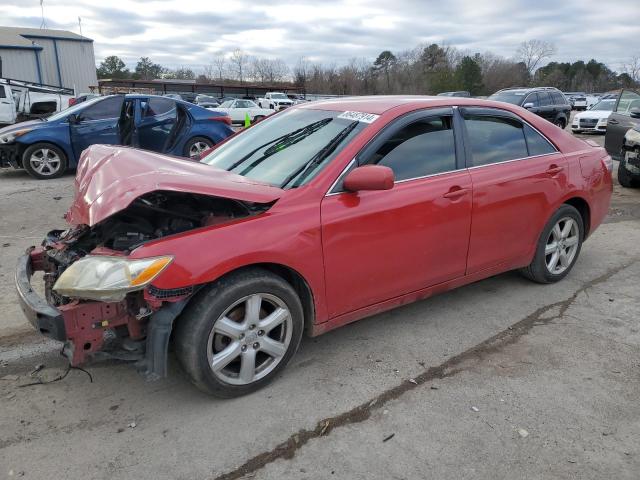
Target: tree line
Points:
(425, 69)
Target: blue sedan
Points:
(47, 147)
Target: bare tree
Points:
(239, 61)
(219, 62)
(301, 72)
(532, 52)
(633, 68)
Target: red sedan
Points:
(316, 217)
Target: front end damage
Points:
(131, 324)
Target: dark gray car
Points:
(625, 116)
(548, 102)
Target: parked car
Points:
(238, 110)
(461, 93)
(594, 119)
(45, 148)
(316, 217)
(578, 100)
(275, 101)
(625, 116)
(206, 101)
(548, 102)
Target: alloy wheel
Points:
(562, 245)
(197, 148)
(45, 161)
(249, 339)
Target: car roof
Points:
(379, 104)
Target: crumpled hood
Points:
(109, 178)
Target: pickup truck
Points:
(21, 101)
(275, 101)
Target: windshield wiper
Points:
(302, 172)
(287, 141)
(281, 139)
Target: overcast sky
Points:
(191, 32)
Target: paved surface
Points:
(499, 379)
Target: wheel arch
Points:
(584, 209)
(70, 158)
(293, 278)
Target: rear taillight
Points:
(608, 163)
(72, 102)
(224, 119)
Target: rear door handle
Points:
(554, 170)
(456, 192)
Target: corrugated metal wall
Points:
(19, 64)
(77, 64)
(48, 62)
(76, 60)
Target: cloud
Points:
(190, 32)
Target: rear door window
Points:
(494, 139)
(558, 98)
(545, 99)
(159, 106)
(422, 148)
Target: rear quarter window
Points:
(536, 143)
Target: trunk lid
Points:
(109, 178)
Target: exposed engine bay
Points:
(160, 214)
(120, 328)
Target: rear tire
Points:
(233, 324)
(196, 145)
(558, 247)
(44, 161)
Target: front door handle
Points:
(456, 192)
(554, 170)
(613, 121)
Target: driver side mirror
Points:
(634, 112)
(73, 119)
(369, 177)
(528, 105)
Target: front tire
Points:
(44, 161)
(196, 145)
(239, 333)
(558, 247)
(560, 123)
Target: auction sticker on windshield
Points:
(359, 116)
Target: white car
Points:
(238, 109)
(595, 118)
(275, 101)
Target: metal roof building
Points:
(51, 57)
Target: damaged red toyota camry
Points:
(316, 217)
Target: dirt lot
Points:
(499, 379)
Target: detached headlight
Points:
(11, 136)
(108, 278)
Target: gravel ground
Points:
(499, 379)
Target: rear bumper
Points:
(46, 319)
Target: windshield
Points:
(606, 105)
(226, 104)
(73, 109)
(289, 149)
(279, 95)
(513, 96)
